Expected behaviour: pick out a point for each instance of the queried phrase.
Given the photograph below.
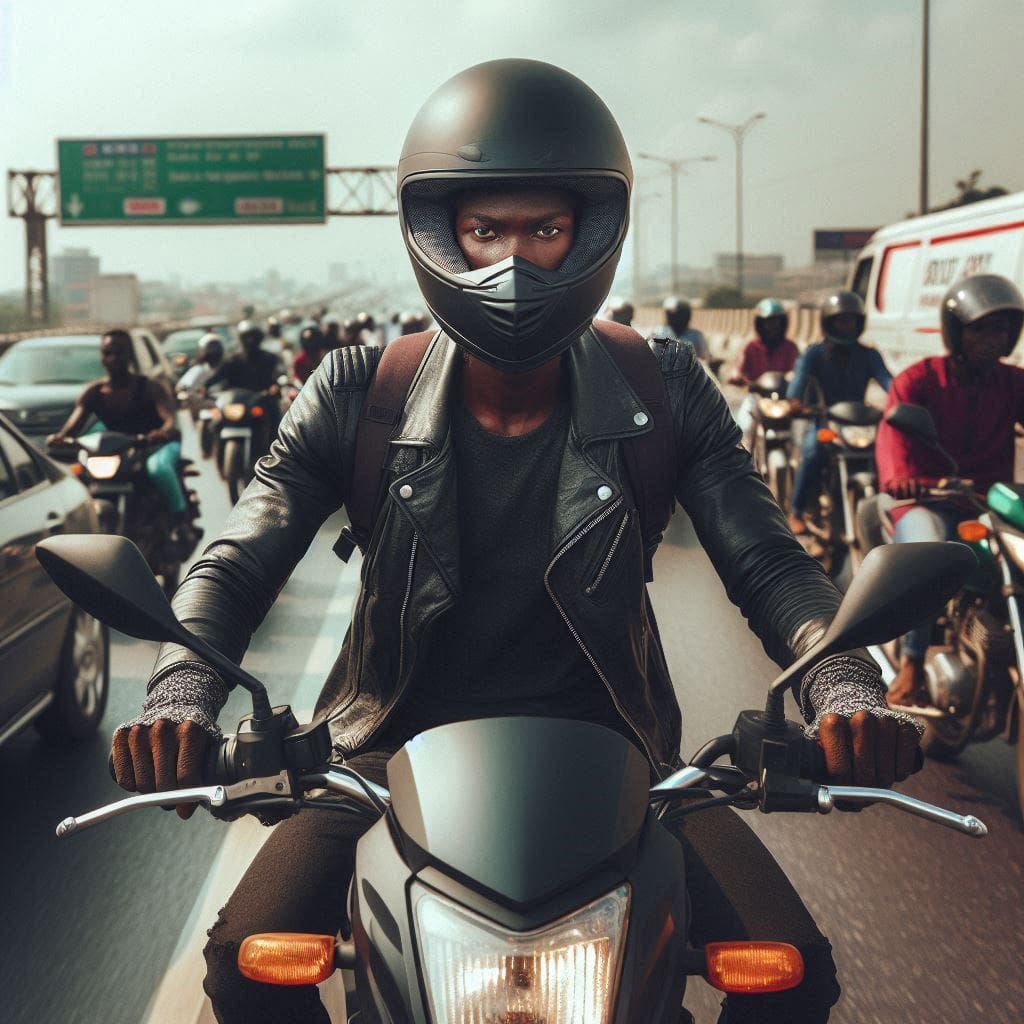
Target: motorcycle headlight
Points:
(234, 411)
(477, 971)
(858, 437)
(773, 408)
(103, 467)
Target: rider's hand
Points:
(864, 741)
(904, 488)
(55, 439)
(164, 755)
(157, 435)
(165, 747)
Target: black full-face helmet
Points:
(839, 304)
(514, 123)
(975, 297)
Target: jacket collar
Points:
(603, 404)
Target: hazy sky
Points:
(838, 80)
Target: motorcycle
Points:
(973, 669)
(112, 465)
(848, 478)
(516, 870)
(202, 410)
(772, 448)
(241, 434)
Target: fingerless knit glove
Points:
(844, 685)
(188, 691)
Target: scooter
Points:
(772, 452)
(848, 478)
(240, 435)
(517, 870)
(113, 467)
(973, 669)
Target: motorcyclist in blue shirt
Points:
(836, 369)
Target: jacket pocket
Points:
(611, 558)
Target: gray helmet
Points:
(210, 344)
(972, 298)
(770, 309)
(674, 306)
(842, 304)
(620, 310)
(518, 122)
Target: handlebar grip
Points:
(219, 768)
(812, 759)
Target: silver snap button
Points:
(640, 419)
(604, 492)
(405, 491)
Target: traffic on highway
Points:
(521, 627)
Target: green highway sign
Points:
(256, 179)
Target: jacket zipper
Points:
(579, 640)
(608, 558)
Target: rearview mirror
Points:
(915, 420)
(109, 578)
(897, 587)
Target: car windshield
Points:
(51, 364)
(186, 342)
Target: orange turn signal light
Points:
(826, 436)
(256, 411)
(748, 967)
(75, 469)
(971, 530)
(287, 958)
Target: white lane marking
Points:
(179, 998)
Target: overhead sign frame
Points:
(196, 180)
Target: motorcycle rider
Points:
(314, 347)
(130, 403)
(332, 331)
(208, 357)
(770, 351)
(975, 399)
(619, 311)
(255, 369)
(840, 369)
(521, 418)
(677, 327)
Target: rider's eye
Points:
(549, 231)
(482, 232)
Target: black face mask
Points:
(510, 315)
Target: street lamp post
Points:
(738, 132)
(675, 166)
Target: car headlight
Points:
(234, 411)
(773, 408)
(475, 970)
(103, 467)
(858, 437)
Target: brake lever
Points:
(966, 823)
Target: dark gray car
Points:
(41, 378)
(54, 666)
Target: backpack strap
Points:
(381, 412)
(650, 458)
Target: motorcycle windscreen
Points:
(522, 806)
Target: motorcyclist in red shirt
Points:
(975, 399)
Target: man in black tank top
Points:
(130, 403)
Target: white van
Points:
(905, 269)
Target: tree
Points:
(969, 192)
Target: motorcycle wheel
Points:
(778, 477)
(234, 471)
(205, 438)
(83, 682)
(1020, 754)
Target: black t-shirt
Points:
(256, 373)
(504, 648)
(130, 410)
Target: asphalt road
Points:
(927, 925)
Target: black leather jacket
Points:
(410, 571)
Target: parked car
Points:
(41, 378)
(54, 666)
(180, 346)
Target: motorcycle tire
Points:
(1020, 753)
(779, 477)
(205, 439)
(234, 471)
(83, 682)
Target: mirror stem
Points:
(261, 708)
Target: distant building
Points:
(759, 272)
(72, 271)
(114, 299)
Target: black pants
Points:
(737, 891)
